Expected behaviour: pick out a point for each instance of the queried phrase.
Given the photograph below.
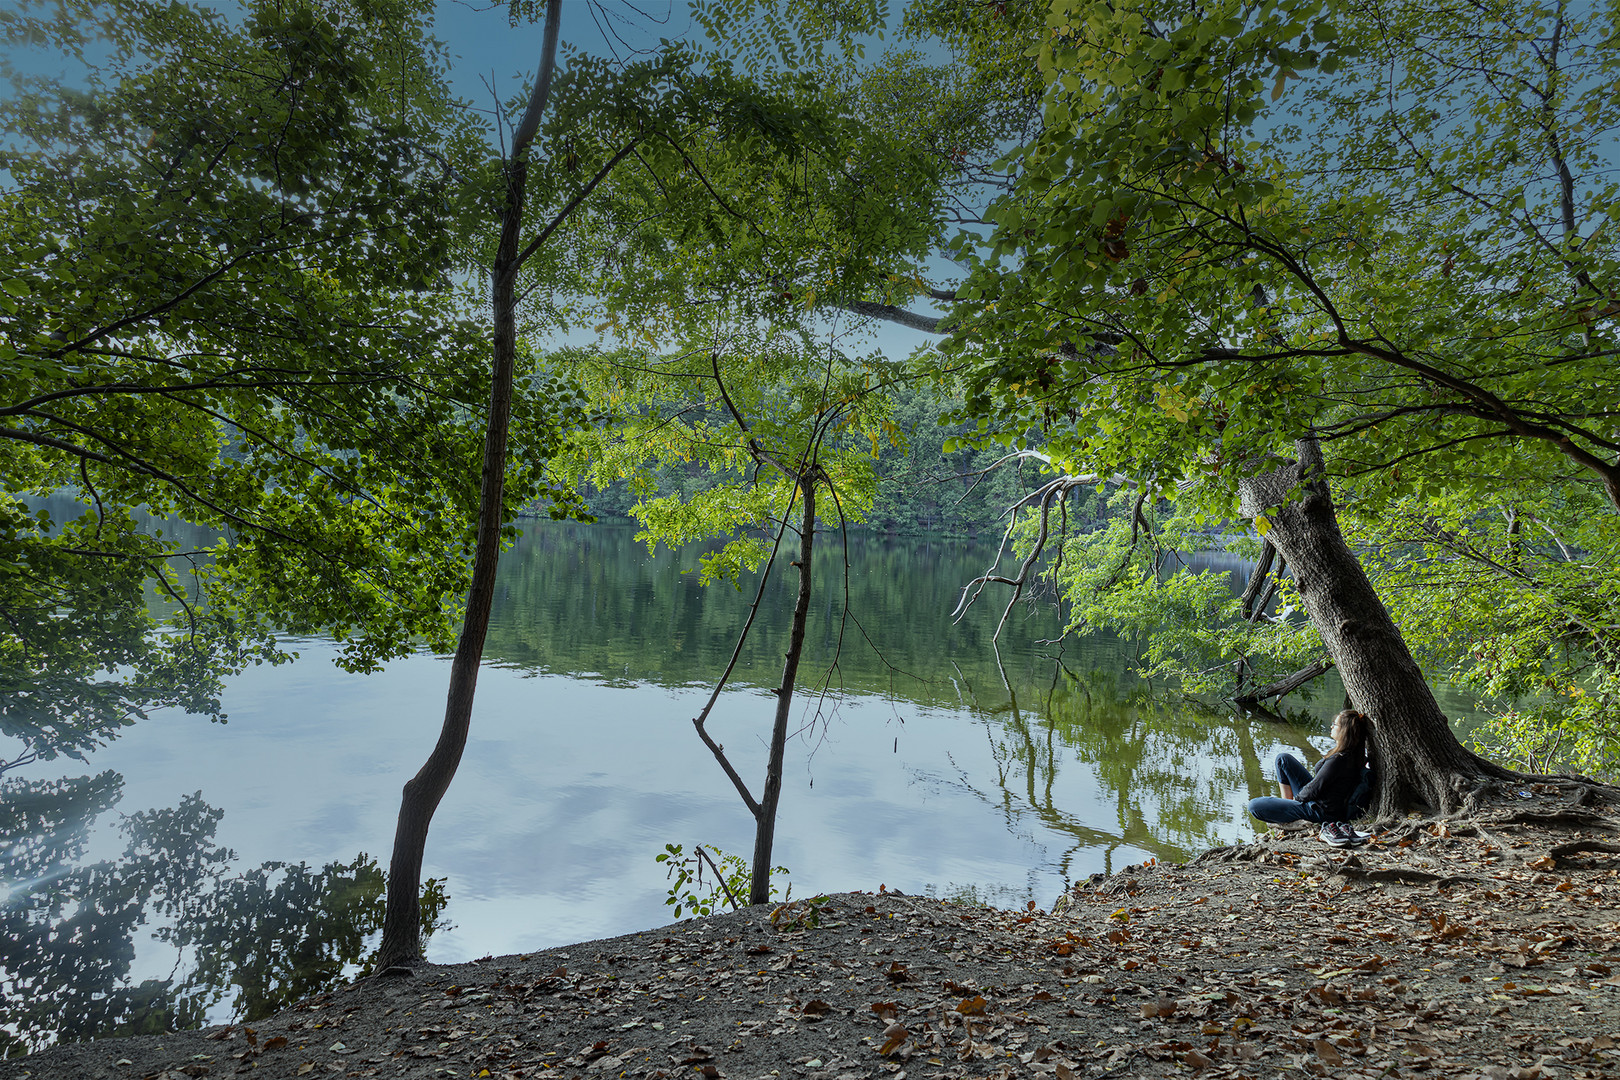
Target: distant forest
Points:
(921, 488)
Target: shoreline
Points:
(1486, 949)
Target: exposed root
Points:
(1235, 853)
(1561, 853)
(1402, 876)
(1566, 817)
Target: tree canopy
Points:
(1388, 228)
(233, 296)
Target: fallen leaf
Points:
(1328, 1052)
(973, 1006)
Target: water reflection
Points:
(253, 941)
(1161, 775)
(588, 600)
(942, 765)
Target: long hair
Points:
(1353, 733)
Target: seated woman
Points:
(1330, 797)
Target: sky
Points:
(490, 54)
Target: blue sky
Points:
(490, 54)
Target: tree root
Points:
(1561, 854)
(1566, 816)
(1234, 853)
(1403, 876)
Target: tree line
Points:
(1337, 277)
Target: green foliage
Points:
(924, 488)
(738, 412)
(1127, 576)
(195, 320)
(1514, 598)
(920, 488)
(692, 897)
(1388, 228)
(1224, 280)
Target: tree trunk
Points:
(1420, 763)
(765, 818)
(1258, 580)
(402, 927)
(402, 916)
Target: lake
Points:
(216, 869)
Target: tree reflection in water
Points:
(256, 940)
(1168, 767)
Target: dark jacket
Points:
(1336, 780)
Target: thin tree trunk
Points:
(765, 817)
(402, 917)
(1420, 763)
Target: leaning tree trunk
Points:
(765, 816)
(402, 917)
(1420, 763)
(402, 926)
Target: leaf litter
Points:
(1485, 949)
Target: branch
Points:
(530, 123)
(573, 204)
(702, 717)
(1285, 686)
(1257, 582)
(928, 324)
(1045, 497)
(718, 876)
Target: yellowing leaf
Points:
(1262, 524)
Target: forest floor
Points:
(1480, 949)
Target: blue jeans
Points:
(1277, 811)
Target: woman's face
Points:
(1339, 723)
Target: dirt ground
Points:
(1489, 949)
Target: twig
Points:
(718, 876)
(27, 757)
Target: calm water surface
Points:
(921, 761)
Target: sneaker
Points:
(1338, 834)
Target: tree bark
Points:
(1257, 584)
(402, 917)
(765, 817)
(1419, 762)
